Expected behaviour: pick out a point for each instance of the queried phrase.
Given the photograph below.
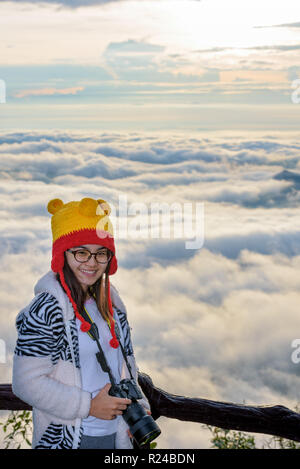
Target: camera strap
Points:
(94, 334)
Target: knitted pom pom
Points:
(88, 207)
(85, 326)
(114, 343)
(54, 205)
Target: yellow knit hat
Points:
(76, 223)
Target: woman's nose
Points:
(92, 261)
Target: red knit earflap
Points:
(114, 343)
(85, 326)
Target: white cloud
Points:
(215, 323)
(241, 344)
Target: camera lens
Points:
(142, 426)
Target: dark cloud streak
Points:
(68, 3)
(285, 25)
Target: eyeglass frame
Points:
(91, 254)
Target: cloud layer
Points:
(215, 322)
(69, 3)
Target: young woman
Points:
(55, 369)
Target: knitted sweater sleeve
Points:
(38, 350)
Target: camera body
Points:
(141, 425)
(127, 388)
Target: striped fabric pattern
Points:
(57, 436)
(42, 333)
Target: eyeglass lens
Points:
(83, 255)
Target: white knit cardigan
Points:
(54, 390)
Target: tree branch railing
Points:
(270, 420)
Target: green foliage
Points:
(17, 429)
(231, 439)
(282, 443)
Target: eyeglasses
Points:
(84, 255)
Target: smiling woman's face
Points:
(87, 273)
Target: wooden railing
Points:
(271, 420)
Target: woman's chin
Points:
(86, 280)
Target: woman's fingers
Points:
(104, 406)
(122, 407)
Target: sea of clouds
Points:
(215, 322)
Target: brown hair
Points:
(99, 290)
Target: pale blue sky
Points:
(155, 64)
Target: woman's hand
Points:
(106, 407)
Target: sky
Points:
(150, 65)
(169, 102)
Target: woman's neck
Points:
(88, 295)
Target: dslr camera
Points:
(141, 425)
